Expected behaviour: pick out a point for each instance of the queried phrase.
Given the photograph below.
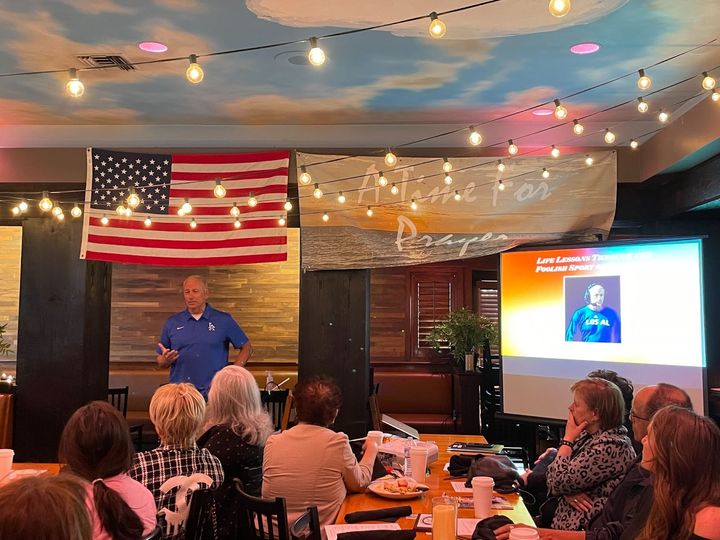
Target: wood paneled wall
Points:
(389, 311)
(263, 298)
(11, 246)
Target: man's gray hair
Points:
(664, 395)
(197, 277)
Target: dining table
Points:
(439, 482)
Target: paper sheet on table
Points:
(459, 487)
(333, 530)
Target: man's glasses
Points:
(634, 415)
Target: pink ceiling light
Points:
(152, 46)
(542, 112)
(585, 48)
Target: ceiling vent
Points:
(106, 61)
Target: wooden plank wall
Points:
(389, 309)
(11, 246)
(263, 298)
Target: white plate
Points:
(378, 489)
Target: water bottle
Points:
(269, 380)
(406, 466)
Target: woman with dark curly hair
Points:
(311, 465)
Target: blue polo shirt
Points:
(202, 345)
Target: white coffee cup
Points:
(524, 533)
(6, 461)
(482, 487)
(376, 436)
(418, 462)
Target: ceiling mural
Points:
(493, 61)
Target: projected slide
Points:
(633, 308)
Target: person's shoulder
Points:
(211, 311)
(706, 523)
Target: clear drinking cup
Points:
(444, 513)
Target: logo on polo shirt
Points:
(211, 327)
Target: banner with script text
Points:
(424, 215)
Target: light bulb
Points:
(708, 83)
(282, 222)
(555, 152)
(74, 86)
(194, 73)
(252, 201)
(15, 211)
(287, 206)
(325, 217)
(341, 198)
(588, 160)
(642, 105)
(413, 205)
(560, 111)
(56, 210)
(394, 189)
(545, 173)
(609, 136)
(382, 180)
(128, 212)
(390, 158)
(60, 217)
(120, 210)
(369, 211)
(317, 192)
(634, 144)
(437, 28)
(644, 82)
(448, 179)
(193, 223)
(512, 148)
(133, 199)
(316, 56)
(447, 166)
(501, 166)
(457, 195)
(186, 206)
(219, 190)
(76, 212)
(559, 8)
(578, 128)
(501, 186)
(475, 137)
(235, 211)
(180, 212)
(23, 206)
(304, 177)
(715, 96)
(663, 116)
(236, 223)
(104, 220)
(45, 203)
(147, 222)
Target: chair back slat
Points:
(261, 519)
(307, 526)
(274, 402)
(118, 397)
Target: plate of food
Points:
(397, 488)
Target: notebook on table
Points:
(475, 448)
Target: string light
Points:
(193, 223)
(560, 111)
(317, 192)
(644, 82)
(304, 177)
(15, 211)
(76, 212)
(474, 137)
(235, 211)
(287, 206)
(325, 217)
(512, 148)
(147, 222)
(369, 211)
(588, 160)
(501, 166)
(394, 189)
(437, 28)
(74, 86)
(186, 206)
(219, 190)
(447, 166)
(60, 217)
(555, 151)
(194, 73)
(133, 200)
(578, 128)
(128, 212)
(180, 212)
(448, 179)
(413, 205)
(342, 198)
(56, 210)
(457, 196)
(559, 8)
(23, 206)
(382, 180)
(545, 173)
(282, 221)
(708, 83)
(609, 136)
(501, 186)
(316, 56)
(390, 158)
(45, 203)
(104, 220)
(237, 223)
(642, 105)
(252, 201)
(634, 144)
(715, 96)
(120, 210)
(663, 116)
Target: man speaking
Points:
(594, 322)
(194, 343)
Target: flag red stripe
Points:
(243, 175)
(225, 210)
(210, 159)
(158, 225)
(175, 261)
(231, 192)
(187, 244)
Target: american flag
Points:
(163, 182)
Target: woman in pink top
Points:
(95, 445)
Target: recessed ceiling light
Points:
(585, 48)
(542, 112)
(152, 46)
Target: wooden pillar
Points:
(63, 335)
(335, 338)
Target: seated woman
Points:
(236, 424)
(49, 508)
(309, 464)
(594, 455)
(95, 445)
(682, 449)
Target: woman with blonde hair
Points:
(682, 449)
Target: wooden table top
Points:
(52, 468)
(439, 483)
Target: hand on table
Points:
(580, 502)
(168, 356)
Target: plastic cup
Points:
(444, 518)
(482, 487)
(376, 436)
(418, 462)
(524, 533)
(6, 461)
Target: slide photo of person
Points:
(592, 309)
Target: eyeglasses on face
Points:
(634, 415)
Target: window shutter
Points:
(434, 295)
(487, 302)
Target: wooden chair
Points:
(118, 397)
(289, 407)
(201, 522)
(261, 519)
(275, 402)
(307, 526)
(251, 480)
(155, 535)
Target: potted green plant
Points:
(464, 333)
